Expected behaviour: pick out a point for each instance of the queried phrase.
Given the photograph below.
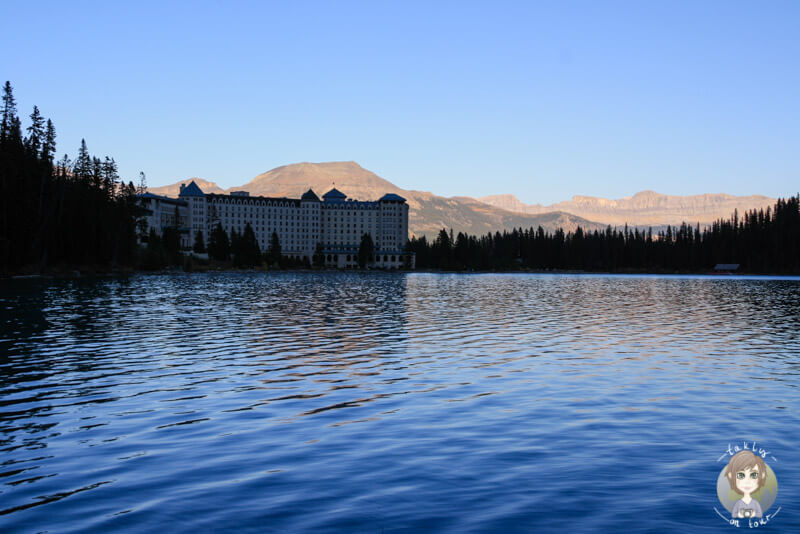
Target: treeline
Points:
(70, 213)
(240, 250)
(243, 249)
(762, 241)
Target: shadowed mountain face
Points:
(428, 213)
(644, 208)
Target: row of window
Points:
(354, 257)
(252, 202)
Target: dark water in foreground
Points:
(369, 403)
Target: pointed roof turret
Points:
(191, 190)
(334, 195)
(310, 195)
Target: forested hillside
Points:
(762, 241)
(59, 213)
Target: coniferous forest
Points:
(59, 213)
(760, 242)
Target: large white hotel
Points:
(335, 223)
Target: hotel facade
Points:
(332, 227)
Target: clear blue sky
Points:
(541, 99)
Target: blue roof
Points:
(168, 200)
(392, 196)
(310, 195)
(191, 190)
(334, 194)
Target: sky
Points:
(540, 99)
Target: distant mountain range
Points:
(642, 209)
(429, 213)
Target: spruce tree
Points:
(251, 246)
(199, 244)
(319, 258)
(236, 245)
(36, 132)
(171, 240)
(366, 251)
(218, 244)
(110, 176)
(274, 248)
(153, 257)
(49, 146)
(82, 166)
(9, 111)
(142, 187)
(247, 253)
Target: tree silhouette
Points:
(366, 251)
(77, 214)
(199, 244)
(246, 252)
(219, 247)
(760, 241)
(274, 254)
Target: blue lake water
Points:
(292, 402)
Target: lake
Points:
(391, 402)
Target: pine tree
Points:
(443, 240)
(110, 176)
(366, 251)
(274, 254)
(442, 247)
(9, 111)
(154, 255)
(199, 244)
(219, 247)
(236, 244)
(319, 257)
(49, 146)
(82, 166)
(247, 253)
(36, 132)
(171, 239)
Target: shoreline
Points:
(96, 272)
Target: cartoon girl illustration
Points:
(746, 473)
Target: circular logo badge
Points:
(747, 486)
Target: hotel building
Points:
(334, 224)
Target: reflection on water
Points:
(337, 401)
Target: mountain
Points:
(294, 180)
(506, 202)
(428, 213)
(644, 208)
(468, 215)
(172, 190)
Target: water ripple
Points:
(337, 401)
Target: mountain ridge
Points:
(428, 213)
(643, 208)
